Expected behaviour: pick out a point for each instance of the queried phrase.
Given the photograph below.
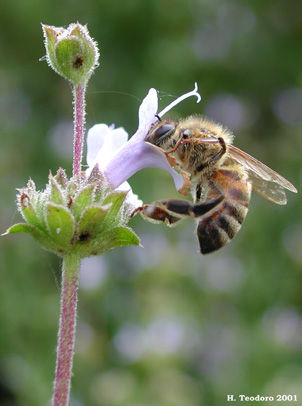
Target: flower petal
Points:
(119, 137)
(134, 156)
(95, 140)
(147, 112)
(102, 144)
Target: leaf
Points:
(96, 175)
(43, 239)
(56, 195)
(29, 214)
(60, 224)
(82, 200)
(61, 177)
(116, 199)
(121, 236)
(20, 228)
(39, 205)
(117, 237)
(31, 186)
(101, 190)
(92, 220)
(50, 35)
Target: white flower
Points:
(119, 158)
(102, 144)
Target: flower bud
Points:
(71, 52)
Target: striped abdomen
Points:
(219, 226)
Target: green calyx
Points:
(71, 52)
(81, 216)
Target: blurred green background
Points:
(163, 325)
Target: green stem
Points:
(79, 121)
(67, 327)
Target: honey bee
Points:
(222, 178)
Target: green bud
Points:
(71, 52)
(78, 215)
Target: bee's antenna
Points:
(158, 117)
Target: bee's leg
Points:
(171, 211)
(183, 139)
(138, 210)
(220, 153)
(178, 143)
(219, 140)
(200, 141)
(199, 209)
(157, 212)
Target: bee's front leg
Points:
(178, 143)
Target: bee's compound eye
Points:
(163, 131)
(186, 134)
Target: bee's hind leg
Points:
(171, 211)
(157, 212)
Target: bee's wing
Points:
(265, 181)
(270, 190)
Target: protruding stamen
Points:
(180, 99)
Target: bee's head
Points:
(161, 132)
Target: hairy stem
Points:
(67, 327)
(79, 121)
